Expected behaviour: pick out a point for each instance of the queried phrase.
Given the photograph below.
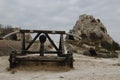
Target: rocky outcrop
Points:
(93, 33)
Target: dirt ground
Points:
(85, 68)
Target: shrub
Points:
(5, 30)
(116, 46)
(103, 29)
(107, 45)
(112, 47)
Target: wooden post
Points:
(22, 43)
(61, 44)
(118, 56)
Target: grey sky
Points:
(59, 14)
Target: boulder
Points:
(92, 33)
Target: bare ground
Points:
(85, 68)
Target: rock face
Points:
(92, 33)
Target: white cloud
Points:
(59, 14)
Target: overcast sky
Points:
(59, 14)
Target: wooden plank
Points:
(23, 43)
(41, 58)
(45, 52)
(43, 31)
(61, 44)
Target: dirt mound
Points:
(6, 46)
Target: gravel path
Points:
(85, 68)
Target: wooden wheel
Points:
(70, 60)
(12, 59)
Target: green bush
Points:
(116, 46)
(111, 47)
(107, 45)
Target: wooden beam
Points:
(32, 41)
(61, 44)
(43, 31)
(22, 42)
(51, 41)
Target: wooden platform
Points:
(41, 58)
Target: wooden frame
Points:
(60, 51)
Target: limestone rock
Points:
(92, 33)
(90, 28)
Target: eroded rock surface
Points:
(93, 33)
